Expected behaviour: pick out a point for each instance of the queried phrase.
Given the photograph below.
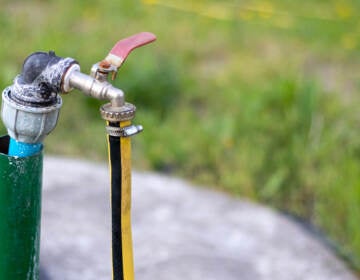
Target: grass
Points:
(255, 98)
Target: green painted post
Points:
(20, 212)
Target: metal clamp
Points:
(126, 131)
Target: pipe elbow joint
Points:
(116, 96)
(40, 80)
(31, 105)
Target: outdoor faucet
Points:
(30, 110)
(97, 85)
(31, 106)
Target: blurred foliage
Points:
(257, 98)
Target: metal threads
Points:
(114, 131)
(117, 114)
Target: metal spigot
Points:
(97, 84)
(31, 105)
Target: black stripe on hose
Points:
(115, 161)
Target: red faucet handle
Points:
(123, 48)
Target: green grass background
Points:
(255, 98)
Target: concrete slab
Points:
(180, 232)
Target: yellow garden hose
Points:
(118, 115)
(119, 150)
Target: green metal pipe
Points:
(20, 212)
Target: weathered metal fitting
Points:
(126, 131)
(40, 79)
(102, 69)
(65, 83)
(117, 114)
(27, 123)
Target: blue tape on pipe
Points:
(21, 149)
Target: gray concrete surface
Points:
(180, 232)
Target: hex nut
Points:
(118, 114)
(28, 124)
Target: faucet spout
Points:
(100, 89)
